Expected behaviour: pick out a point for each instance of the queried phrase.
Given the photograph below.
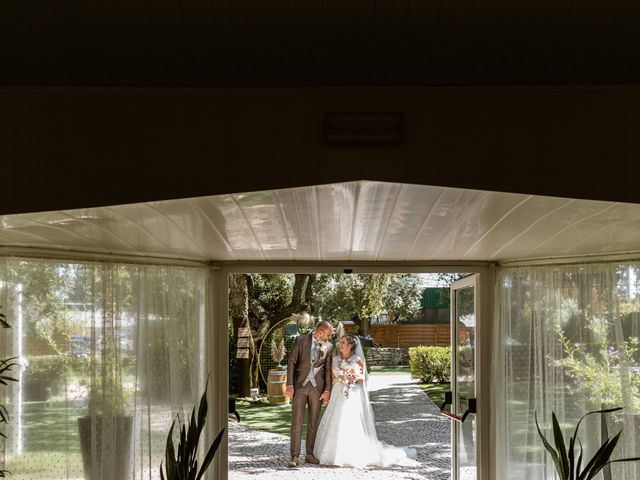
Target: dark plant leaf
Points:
(606, 410)
(561, 448)
(599, 459)
(579, 459)
(572, 459)
(3, 321)
(210, 454)
(185, 465)
(547, 445)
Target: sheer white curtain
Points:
(566, 341)
(112, 353)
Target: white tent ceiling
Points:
(355, 221)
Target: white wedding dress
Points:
(347, 432)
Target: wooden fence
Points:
(411, 334)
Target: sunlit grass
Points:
(266, 417)
(435, 391)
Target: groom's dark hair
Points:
(323, 325)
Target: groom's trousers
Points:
(303, 396)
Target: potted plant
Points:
(572, 466)
(182, 463)
(106, 432)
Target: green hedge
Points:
(430, 364)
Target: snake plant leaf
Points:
(579, 457)
(572, 458)
(184, 466)
(547, 445)
(170, 453)
(561, 448)
(606, 410)
(600, 458)
(3, 321)
(210, 454)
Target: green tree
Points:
(259, 301)
(361, 297)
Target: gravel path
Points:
(405, 416)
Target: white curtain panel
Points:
(566, 341)
(112, 353)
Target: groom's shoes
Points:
(293, 462)
(308, 458)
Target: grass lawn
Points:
(435, 391)
(267, 417)
(263, 416)
(277, 419)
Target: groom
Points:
(308, 383)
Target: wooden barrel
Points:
(277, 387)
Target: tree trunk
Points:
(365, 327)
(239, 312)
(263, 320)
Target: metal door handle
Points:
(448, 400)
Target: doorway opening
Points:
(403, 321)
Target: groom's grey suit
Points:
(305, 393)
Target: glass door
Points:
(464, 323)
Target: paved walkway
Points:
(405, 417)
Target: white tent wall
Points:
(566, 340)
(117, 341)
(501, 453)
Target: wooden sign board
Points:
(244, 332)
(244, 342)
(242, 353)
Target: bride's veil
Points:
(368, 419)
(360, 353)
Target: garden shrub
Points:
(430, 364)
(48, 370)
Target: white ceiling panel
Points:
(412, 208)
(340, 222)
(337, 206)
(450, 209)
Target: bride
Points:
(347, 432)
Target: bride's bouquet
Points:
(347, 375)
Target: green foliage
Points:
(358, 296)
(430, 364)
(435, 391)
(183, 464)
(568, 466)
(601, 371)
(273, 291)
(47, 369)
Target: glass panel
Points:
(111, 354)
(567, 344)
(465, 381)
